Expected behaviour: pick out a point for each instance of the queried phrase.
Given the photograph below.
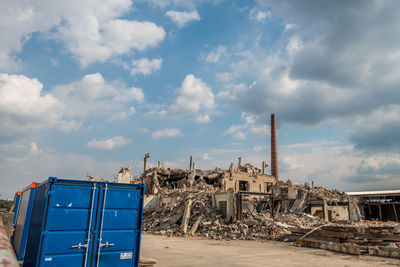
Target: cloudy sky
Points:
(90, 86)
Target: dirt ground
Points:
(175, 251)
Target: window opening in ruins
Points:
(268, 187)
(243, 186)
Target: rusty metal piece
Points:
(274, 150)
(337, 247)
(7, 256)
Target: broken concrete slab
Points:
(186, 216)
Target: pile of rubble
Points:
(190, 211)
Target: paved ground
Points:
(175, 251)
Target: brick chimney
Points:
(274, 150)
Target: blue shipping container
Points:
(85, 223)
(21, 229)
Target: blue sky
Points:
(88, 87)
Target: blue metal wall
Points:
(82, 223)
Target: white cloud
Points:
(260, 130)
(90, 30)
(34, 148)
(144, 130)
(194, 96)
(18, 165)
(224, 76)
(239, 135)
(68, 126)
(122, 114)
(206, 157)
(24, 107)
(216, 56)
(168, 132)
(145, 66)
(108, 144)
(253, 124)
(258, 15)
(182, 18)
(203, 118)
(93, 96)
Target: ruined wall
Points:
(255, 183)
(338, 213)
(225, 202)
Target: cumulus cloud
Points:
(381, 167)
(206, 157)
(68, 126)
(145, 66)
(194, 96)
(259, 15)
(18, 165)
(94, 96)
(108, 144)
(167, 132)
(216, 55)
(24, 107)
(379, 131)
(330, 71)
(203, 118)
(182, 18)
(252, 125)
(34, 148)
(91, 31)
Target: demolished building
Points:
(244, 202)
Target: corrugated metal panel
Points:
(21, 229)
(85, 223)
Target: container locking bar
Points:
(90, 223)
(101, 224)
(106, 244)
(80, 245)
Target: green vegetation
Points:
(4, 204)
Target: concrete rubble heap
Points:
(206, 220)
(185, 203)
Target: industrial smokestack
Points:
(274, 150)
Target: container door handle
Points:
(106, 244)
(80, 245)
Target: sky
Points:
(87, 87)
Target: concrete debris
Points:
(191, 211)
(302, 213)
(147, 262)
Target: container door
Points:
(120, 226)
(68, 237)
(17, 199)
(22, 224)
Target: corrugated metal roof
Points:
(374, 193)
